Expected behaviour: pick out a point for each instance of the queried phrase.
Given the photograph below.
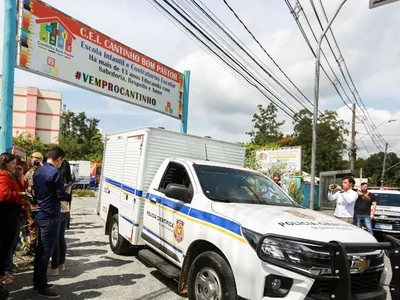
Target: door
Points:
(130, 167)
(174, 211)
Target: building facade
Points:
(37, 112)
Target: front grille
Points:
(324, 263)
(360, 283)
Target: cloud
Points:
(221, 105)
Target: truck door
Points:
(169, 214)
(128, 223)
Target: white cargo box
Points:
(131, 160)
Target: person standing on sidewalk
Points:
(36, 163)
(50, 191)
(365, 207)
(10, 211)
(345, 200)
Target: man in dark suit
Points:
(66, 177)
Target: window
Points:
(383, 199)
(240, 186)
(176, 173)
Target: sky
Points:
(221, 105)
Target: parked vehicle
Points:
(226, 232)
(387, 215)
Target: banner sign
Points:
(57, 46)
(288, 159)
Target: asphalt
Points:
(93, 271)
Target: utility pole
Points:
(384, 163)
(315, 111)
(353, 150)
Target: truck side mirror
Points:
(177, 191)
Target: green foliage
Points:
(295, 192)
(83, 193)
(80, 137)
(372, 169)
(330, 142)
(29, 143)
(267, 129)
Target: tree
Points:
(330, 140)
(29, 143)
(373, 169)
(80, 137)
(267, 129)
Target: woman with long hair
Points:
(24, 212)
(10, 210)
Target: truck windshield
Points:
(240, 186)
(383, 199)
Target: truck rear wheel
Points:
(117, 242)
(210, 277)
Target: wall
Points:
(37, 112)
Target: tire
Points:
(118, 244)
(209, 267)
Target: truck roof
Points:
(384, 191)
(213, 163)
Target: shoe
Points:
(4, 293)
(48, 293)
(52, 272)
(48, 286)
(61, 267)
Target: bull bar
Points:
(340, 268)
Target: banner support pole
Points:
(185, 110)
(7, 78)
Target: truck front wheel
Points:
(117, 242)
(210, 277)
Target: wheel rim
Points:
(208, 285)
(114, 234)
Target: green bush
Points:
(83, 193)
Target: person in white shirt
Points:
(345, 198)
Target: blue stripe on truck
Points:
(184, 209)
(124, 187)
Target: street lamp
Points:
(373, 4)
(315, 113)
(388, 121)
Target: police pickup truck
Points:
(226, 232)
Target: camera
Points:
(36, 163)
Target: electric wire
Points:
(299, 25)
(286, 110)
(264, 50)
(236, 41)
(343, 61)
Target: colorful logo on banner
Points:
(57, 46)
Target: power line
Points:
(354, 91)
(373, 136)
(236, 42)
(299, 25)
(265, 51)
(210, 44)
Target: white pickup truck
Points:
(226, 232)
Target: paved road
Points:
(93, 271)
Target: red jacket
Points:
(9, 188)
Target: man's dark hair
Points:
(349, 178)
(55, 153)
(364, 183)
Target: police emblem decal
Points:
(179, 231)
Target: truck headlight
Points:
(277, 250)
